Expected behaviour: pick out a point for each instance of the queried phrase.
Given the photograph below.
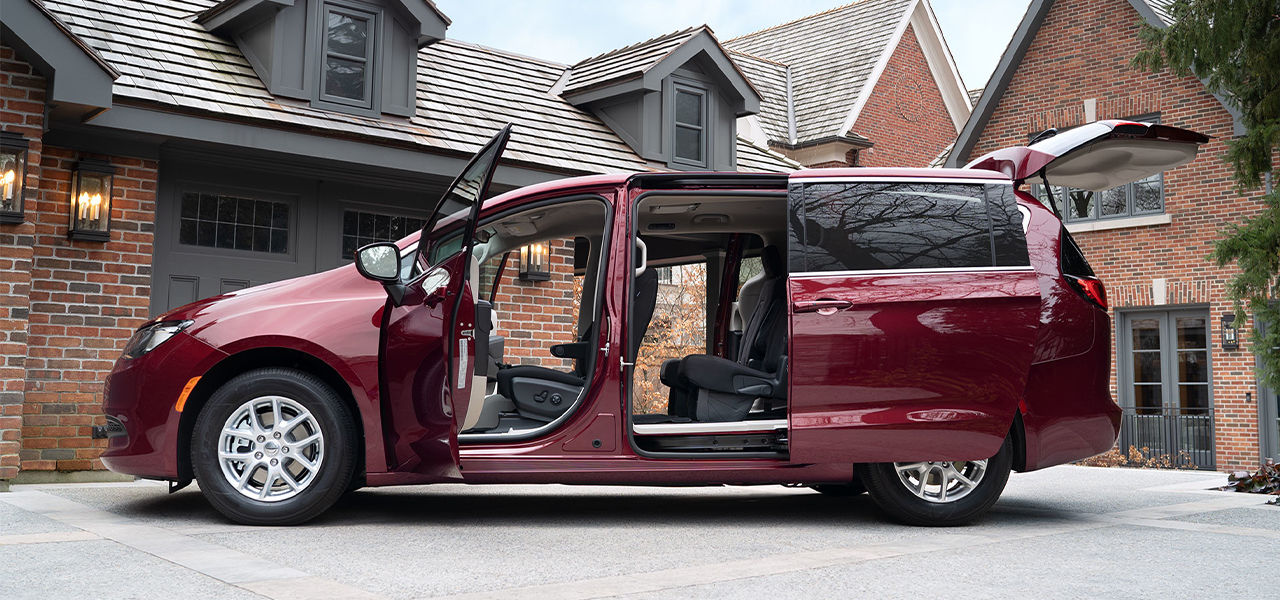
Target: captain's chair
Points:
(711, 388)
(543, 394)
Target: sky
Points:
(568, 31)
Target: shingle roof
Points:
(974, 94)
(831, 55)
(465, 92)
(627, 62)
(770, 79)
(754, 158)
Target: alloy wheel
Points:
(271, 448)
(941, 481)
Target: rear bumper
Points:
(1070, 414)
(142, 421)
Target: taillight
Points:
(1091, 288)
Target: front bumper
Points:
(143, 423)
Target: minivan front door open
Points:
(428, 349)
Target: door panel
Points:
(419, 416)
(428, 351)
(918, 366)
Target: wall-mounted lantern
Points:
(13, 176)
(534, 261)
(91, 184)
(1230, 332)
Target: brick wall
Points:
(86, 300)
(905, 117)
(535, 315)
(1082, 52)
(66, 307)
(22, 95)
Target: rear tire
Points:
(274, 447)
(944, 499)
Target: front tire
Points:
(938, 493)
(274, 447)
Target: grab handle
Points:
(824, 306)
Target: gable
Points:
(905, 117)
(1078, 68)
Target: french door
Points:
(1166, 389)
(1269, 416)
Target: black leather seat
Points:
(543, 394)
(711, 388)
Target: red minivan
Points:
(912, 333)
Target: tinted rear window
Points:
(919, 225)
(1073, 261)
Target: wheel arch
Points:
(1018, 431)
(250, 360)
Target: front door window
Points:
(1168, 410)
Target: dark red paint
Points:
(917, 368)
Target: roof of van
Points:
(702, 179)
(931, 173)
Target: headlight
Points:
(146, 339)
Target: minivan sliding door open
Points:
(707, 344)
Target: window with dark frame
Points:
(689, 140)
(347, 57)
(1143, 197)
(234, 223)
(361, 228)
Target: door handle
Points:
(825, 306)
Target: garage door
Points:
(219, 229)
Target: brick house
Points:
(867, 84)
(205, 146)
(1185, 390)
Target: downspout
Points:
(791, 111)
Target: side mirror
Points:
(379, 262)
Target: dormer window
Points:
(347, 67)
(353, 56)
(690, 117)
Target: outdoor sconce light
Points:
(13, 176)
(1230, 333)
(534, 262)
(91, 201)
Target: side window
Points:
(1073, 261)
(1009, 241)
(873, 226)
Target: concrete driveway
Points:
(1067, 532)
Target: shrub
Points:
(1141, 458)
(1266, 480)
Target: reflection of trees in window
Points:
(895, 226)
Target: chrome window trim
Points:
(907, 179)
(939, 270)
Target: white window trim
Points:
(1120, 223)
